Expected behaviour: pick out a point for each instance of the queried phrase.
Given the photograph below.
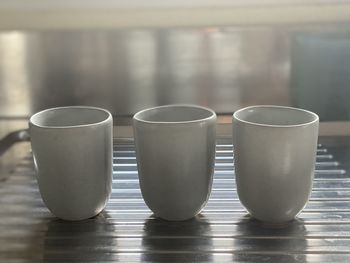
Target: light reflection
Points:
(182, 240)
(222, 257)
(141, 56)
(14, 80)
(264, 240)
(179, 64)
(225, 59)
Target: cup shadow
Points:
(177, 241)
(271, 243)
(90, 239)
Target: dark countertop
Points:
(126, 231)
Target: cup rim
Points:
(315, 116)
(32, 122)
(212, 114)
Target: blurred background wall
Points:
(128, 55)
(125, 70)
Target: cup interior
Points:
(69, 117)
(174, 114)
(275, 116)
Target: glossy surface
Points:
(223, 68)
(175, 148)
(125, 71)
(275, 152)
(128, 232)
(72, 150)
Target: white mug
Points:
(175, 149)
(72, 149)
(274, 157)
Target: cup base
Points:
(77, 218)
(269, 224)
(175, 219)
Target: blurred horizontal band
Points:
(66, 16)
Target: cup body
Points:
(72, 150)
(274, 158)
(175, 148)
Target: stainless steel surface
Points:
(124, 71)
(126, 231)
(321, 65)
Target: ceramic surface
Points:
(274, 157)
(72, 149)
(175, 147)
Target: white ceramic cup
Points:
(72, 149)
(175, 149)
(274, 156)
